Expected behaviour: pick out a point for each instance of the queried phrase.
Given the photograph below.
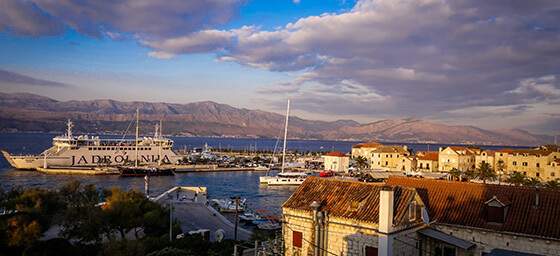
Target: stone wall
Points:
(487, 240)
(344, 237)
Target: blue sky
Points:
(489, 64)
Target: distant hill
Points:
(30, 112)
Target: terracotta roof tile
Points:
(348, 199)
(336, 153)
(391, 149)
(430, 155)
(462, 203)
(370, 144)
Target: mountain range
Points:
(30, 112)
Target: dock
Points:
(80, 171)
(191, 207)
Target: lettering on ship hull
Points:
(116, 160)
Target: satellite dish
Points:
(219, 235)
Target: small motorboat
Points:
(269, 225)
(229, 205)
(249, 217)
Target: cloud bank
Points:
(422, 58)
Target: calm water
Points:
(220, 184)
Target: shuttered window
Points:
(297, 238)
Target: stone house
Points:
(485, 219)
(460, 158)
(365, 149)
(427, 161)
(389, 158)
(339, 217)
(336, 161)
(537, 162)
(485, 156)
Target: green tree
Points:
(553, 184)
(532, 182)
(485, 172)
(516, 178)
(500, 167)
(123, 211)
(455, 174)
(361, 163)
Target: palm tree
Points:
(500, 167)
(361, 163)
(533, 182)
(485, 172)
(516, 178)
(455, 174)
(554, 184)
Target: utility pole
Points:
(170, 197)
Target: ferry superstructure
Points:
(91, 151)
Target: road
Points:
(194, 216)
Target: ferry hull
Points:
(23, 162)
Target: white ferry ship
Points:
(90, 151)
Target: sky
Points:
(491, 64)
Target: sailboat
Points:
(284, 178)
(143, 171)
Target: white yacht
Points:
(284, 178)
(69, 151)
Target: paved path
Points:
(194, 216)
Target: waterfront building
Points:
(485, 156)
(540, 162)
(336, 161)
(427, 161)
(390, 158)
(455, 157)
(485, 219)
(339, 217)
(365, 149)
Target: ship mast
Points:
(160, 142)
(285, 136)
(136, 140)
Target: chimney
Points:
(386, 204)
(386, 201)
(440, 149)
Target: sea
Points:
(220, 184)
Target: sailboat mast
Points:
(285, 137)
(160, 142)
(136, 140)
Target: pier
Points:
(192, 209)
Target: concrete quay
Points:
(191, 207)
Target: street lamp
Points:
(170, 197)
(236, 198)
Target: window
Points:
(538, 174)
(495, 214)
(421, 166)
(514, 163)
(371, 251)
(297, 238)
(412, 211)
(524, 163)
(427, 166)
(538, 165)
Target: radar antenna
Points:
(69, 126)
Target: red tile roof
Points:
(369, 144)
(336, 153)
(348, 199)
(462, 203)
(430, 155)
